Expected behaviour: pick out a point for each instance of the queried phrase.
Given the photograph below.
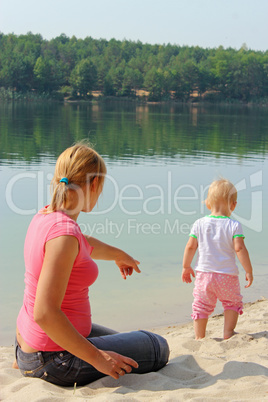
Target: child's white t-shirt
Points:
(215, 244)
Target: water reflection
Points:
(132, 134)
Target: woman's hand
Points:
(114, 364)
(126, 264)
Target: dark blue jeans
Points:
(150, 351)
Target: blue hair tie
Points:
(64, 180)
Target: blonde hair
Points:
(80, 164)
(221, 190)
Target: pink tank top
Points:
(76, 306)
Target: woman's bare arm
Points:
(60, 254)
(103, 251)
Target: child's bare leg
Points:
(230, 321)
(200, 327)
(14, 365)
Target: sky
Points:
(204, 23)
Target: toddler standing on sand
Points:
(218, 239)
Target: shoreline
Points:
(139, 100)
(7, 340)
(163, 329)
(209, 369)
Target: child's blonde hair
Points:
(79, 164)
(221, 190)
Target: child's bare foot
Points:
(200, 328)
(14, 365)
(230, 321)
(229, 334)
(198, 338)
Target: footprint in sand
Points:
(192, 345)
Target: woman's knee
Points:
(149, 350)
(161, 349)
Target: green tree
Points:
(252, 78)
(116, 75)
(48, 75)
(83, 78)
(18, 55)
(153, 82)
(42, 73)
(132, 80)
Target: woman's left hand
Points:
(126, 264)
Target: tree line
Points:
(76, 67)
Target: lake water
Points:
(160, 160)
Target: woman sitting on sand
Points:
(56, 340)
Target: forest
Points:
(71, 68)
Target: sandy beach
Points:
(212, 369)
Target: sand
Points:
(212, 369)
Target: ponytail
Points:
(59, 196)
(75, 167)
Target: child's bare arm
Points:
(243, 256)
(189, 253)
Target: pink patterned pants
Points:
(210, 286)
